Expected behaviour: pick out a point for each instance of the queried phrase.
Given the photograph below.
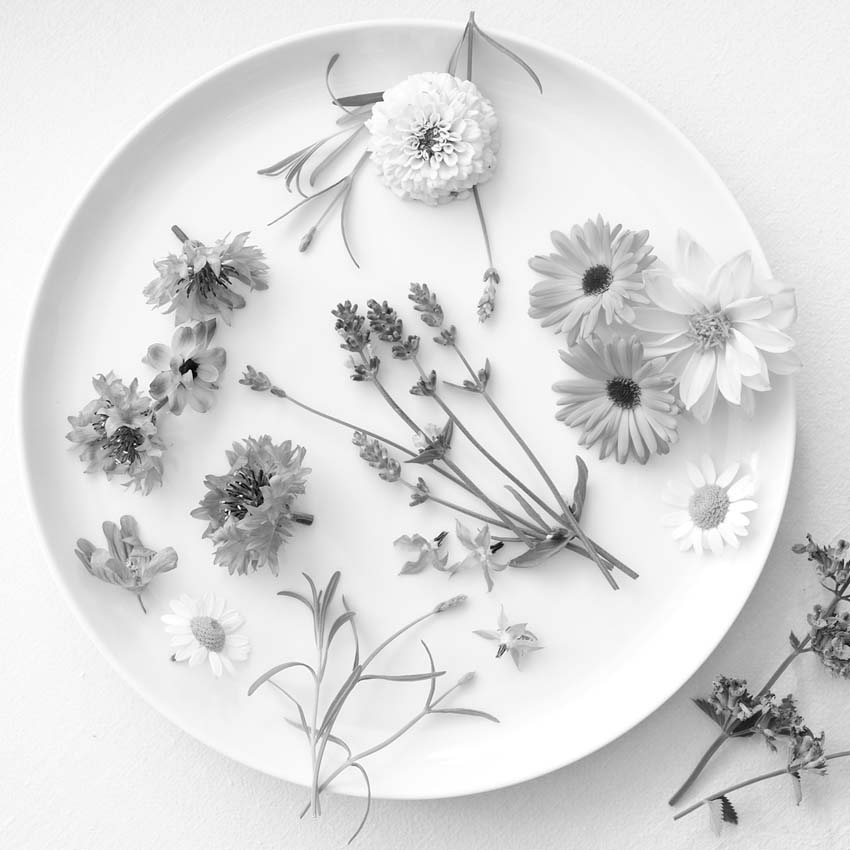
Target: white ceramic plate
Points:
(588, 145)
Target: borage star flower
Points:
(712, 509)
(205, 630)
(118, 433)
(515, 639)
(250, 510)
(622, 401)
(189, 369)
(481, 552)
(197, 284)
(429, 553)
(593, 278)
(433, 137)
(723, 327)
(127, 562)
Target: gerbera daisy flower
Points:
(592, 278)
(250, 509)
(623, 401)
(189, 368)
(127, 562)
(711, 509)
(723, 328)
(118, 433)
(433, 137)
(205, 630)
(197, 284)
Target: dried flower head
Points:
(592, 279)
(782, 720)
(198, 283)
(832, 561)
(189, 369)
(448, 604)
(250, 510)
(206, 630)
(830, 634)
(376, 455)
(733, 703)
(426, 304)
(622, 400)
(806, 752)
(515, 639)
(126, 561)
(433, 137)
(118, 433)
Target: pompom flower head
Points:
(205, 630)
(127, 562)
(623, 401)
(250, 510)
(593, 278)
(723, 328)
(118, 433)
(190, 369)
(711, 510)
(198, 283)
(434, 137)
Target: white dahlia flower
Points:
(434, 137)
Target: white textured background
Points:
(761, 88)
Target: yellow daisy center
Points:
(208, 632)
(708, 506)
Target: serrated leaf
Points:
(721, 811)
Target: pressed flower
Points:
(429, 553)
(433, 137)
(126, 561)
(250, 510)
(515, 639)
(481, 552)
(198, 283)
(623, 401)
(723, 328)
(189, 369)
(593, 278)
(206, 630)
(711, 509)
(118, 433)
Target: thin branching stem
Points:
(784, 771)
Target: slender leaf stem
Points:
(752, 781)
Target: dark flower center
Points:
(123, 443)
(624, 392)
(209, 633)
(189, 365)
(207, 282)
(243, 491)
(596, 280)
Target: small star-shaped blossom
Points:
(431, 553)
(480, 552)
(515, 639)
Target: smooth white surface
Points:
(776, 140)
(194, 163)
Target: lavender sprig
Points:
(317, 730)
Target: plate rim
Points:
(482, 785)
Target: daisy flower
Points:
(711, 509)
(118, 433)
(515, 639)
(205, 630)
(481, 552)
(250, 509)
(197, 284)
(723, 328)
(189, 369)
(593, 278)
(433, 137)
(623, 401)
(127, 562)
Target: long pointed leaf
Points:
(526, 506)
(580, 492)
(366, 99)
(511, 55)
(539, 553)
(279, 669)
(408, 677)
(295, 595)
(368, 800)
(468, 712)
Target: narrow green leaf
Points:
(408, 677)
(279, 669)
(468, 712)
(511, 55)
(580, 492)
(526, 506)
